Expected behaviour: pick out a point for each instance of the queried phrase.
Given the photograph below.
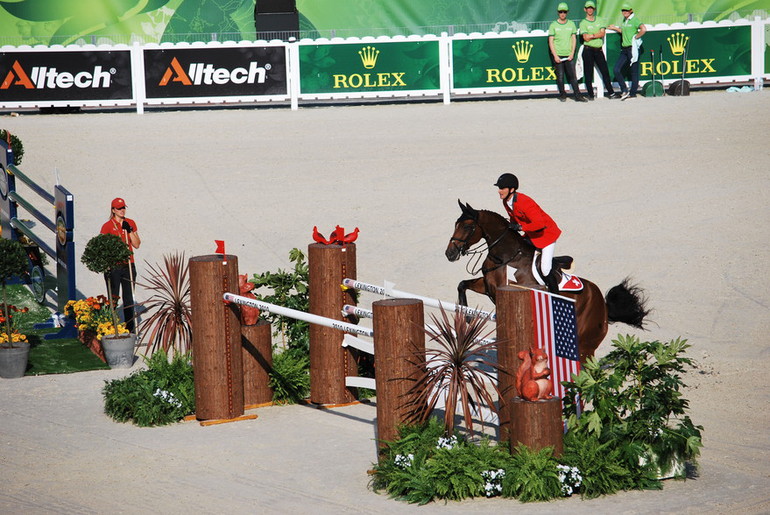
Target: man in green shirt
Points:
(592, 30)
(562, 41)
(631, 32)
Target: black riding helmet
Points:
(507, 180)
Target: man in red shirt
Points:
(528, 217)
(122, 275)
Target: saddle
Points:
(568, 283)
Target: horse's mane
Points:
(504, 221)
(494, 214)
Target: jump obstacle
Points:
(62, 227)
(398, 338)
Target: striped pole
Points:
(299, 315)
(389, 291)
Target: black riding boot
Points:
(552, 282)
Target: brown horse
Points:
(507, 248)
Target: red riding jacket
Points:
(536, 224)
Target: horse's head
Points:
(467, 233)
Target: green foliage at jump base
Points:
(632, 430)
(161, 395)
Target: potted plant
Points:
(632, 399)
(14, 348)
(102, 254)
(92, 319)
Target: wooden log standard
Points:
(216, 344)
(515, 332)
(256, 341)
(399, 355)
(330, 362)
(535, 424)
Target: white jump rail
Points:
(299, 315)
(348, 339)
(389, 291)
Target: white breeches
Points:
(546, 258)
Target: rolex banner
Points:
(369, 67)
(502, 62)
(698, 53)
(215, 72)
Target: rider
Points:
(537, 226)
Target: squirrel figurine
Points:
(532, 380)
(249, 314)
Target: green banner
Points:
(369, 67)
(699, 53)
(501, 62)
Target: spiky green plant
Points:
(459, 369)
(169, 325)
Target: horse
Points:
(505, 248)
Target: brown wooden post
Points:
(256, 341)
(330, 362)
(217, 359)
(399, 355)
(537, 424)
(515, 332)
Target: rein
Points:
(472, 266)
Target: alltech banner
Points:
(242, 71)
(370, 67)
(77, 76)
(697, 53)
(493, 63)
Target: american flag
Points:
(556, 333)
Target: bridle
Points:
(472, 265)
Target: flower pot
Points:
(13, 360)
(119, 350)
(89, 339)
(674, 467)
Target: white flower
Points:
(570, 479)
(404, 462)
(168, 397)
(447, 443)
(493, 482)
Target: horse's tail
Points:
(627, 303)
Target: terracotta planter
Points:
(90, 340)
(119, 350)
(13, 360)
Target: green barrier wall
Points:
(711, 52)
(369, 67)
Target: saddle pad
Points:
(571, 283)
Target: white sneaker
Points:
(625, 95)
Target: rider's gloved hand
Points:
(127, 227)
(515, 226)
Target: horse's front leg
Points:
(476, 285)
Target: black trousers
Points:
(568, 68)
(120, 278)
(595, 57)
